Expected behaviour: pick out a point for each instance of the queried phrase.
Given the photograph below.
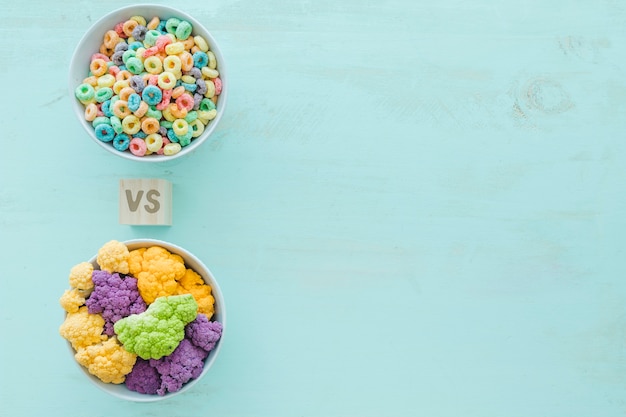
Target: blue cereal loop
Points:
(106, 108)
(189, 87)
(141, 134)
(135, 45)
(137, 83)
(121, 142)
(200, 59)
(161, 27)
(152, 95)
(134, 100)
(171, 135)
(105, 132)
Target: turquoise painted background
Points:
(412, 208)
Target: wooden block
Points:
(146, 202)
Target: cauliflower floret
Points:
(204, 333)
(80, 278)
(113, 257)
(82, 329)
(71, 300)
(157, 272)
(157, 331)
(108, 361)
(192, 283)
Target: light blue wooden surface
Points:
(413, 208)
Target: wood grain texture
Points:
(412, 208)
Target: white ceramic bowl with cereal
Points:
(123, 329)
(145, 97)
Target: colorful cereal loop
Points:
(137, 147)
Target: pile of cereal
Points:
(143, 319)
(152, 87)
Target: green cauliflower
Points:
(157, 331)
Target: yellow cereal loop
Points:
(119, 85)
(166, 80)
(201, 43)
(167, 114)
(139, 19)
(207, 115)
(153, 65)
(171, 149)
(197, 127)
(212, 60)
(180, 127)
(209, 72)
(106, 80)
(174, 48)
(210, 89)
(131, 124)
(172, 63)
(188, 79)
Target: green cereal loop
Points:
(134, 65)
(166, 124)
(171, 25)
(183, 30)
(116, 123)
(129, 53)
(151, 37)
(101, 120)
(153, 112)
(103, 94)
(114, 99)
(206, 105)
(191, 116)
(85, 92)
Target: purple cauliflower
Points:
(203, 333)
(181, 366)
(114, 296)
(144, 378)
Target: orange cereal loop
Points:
(91, 111)
(177, 112)
(120, 109)
(188, 43)
(111, 38)
(126, 92)
(98, 67)
(154, 23)
(186, 61)
(142, 110)
(106, 51)
(195, 49)
(150, 125)
(92, 81)
(129, 26)
(178, 91)
(123, 75)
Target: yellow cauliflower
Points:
(80, 278)
(71, 300)
(157, 272)
(107, 360)
(82, 329)
(192, 283)
(113, 257)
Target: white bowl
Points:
(191, 261)
(90, 44)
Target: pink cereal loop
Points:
(163, 104)
(137, 147)
(185, 101)
(165, 142)
(153, 79)
(167, 94)
(119, 28)
(153, 50)
(218, 85)
(162, 41)
(98, 55)
(114, 70)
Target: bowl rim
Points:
(119, 390)
(131, 10)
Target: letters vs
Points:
(151, 207)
